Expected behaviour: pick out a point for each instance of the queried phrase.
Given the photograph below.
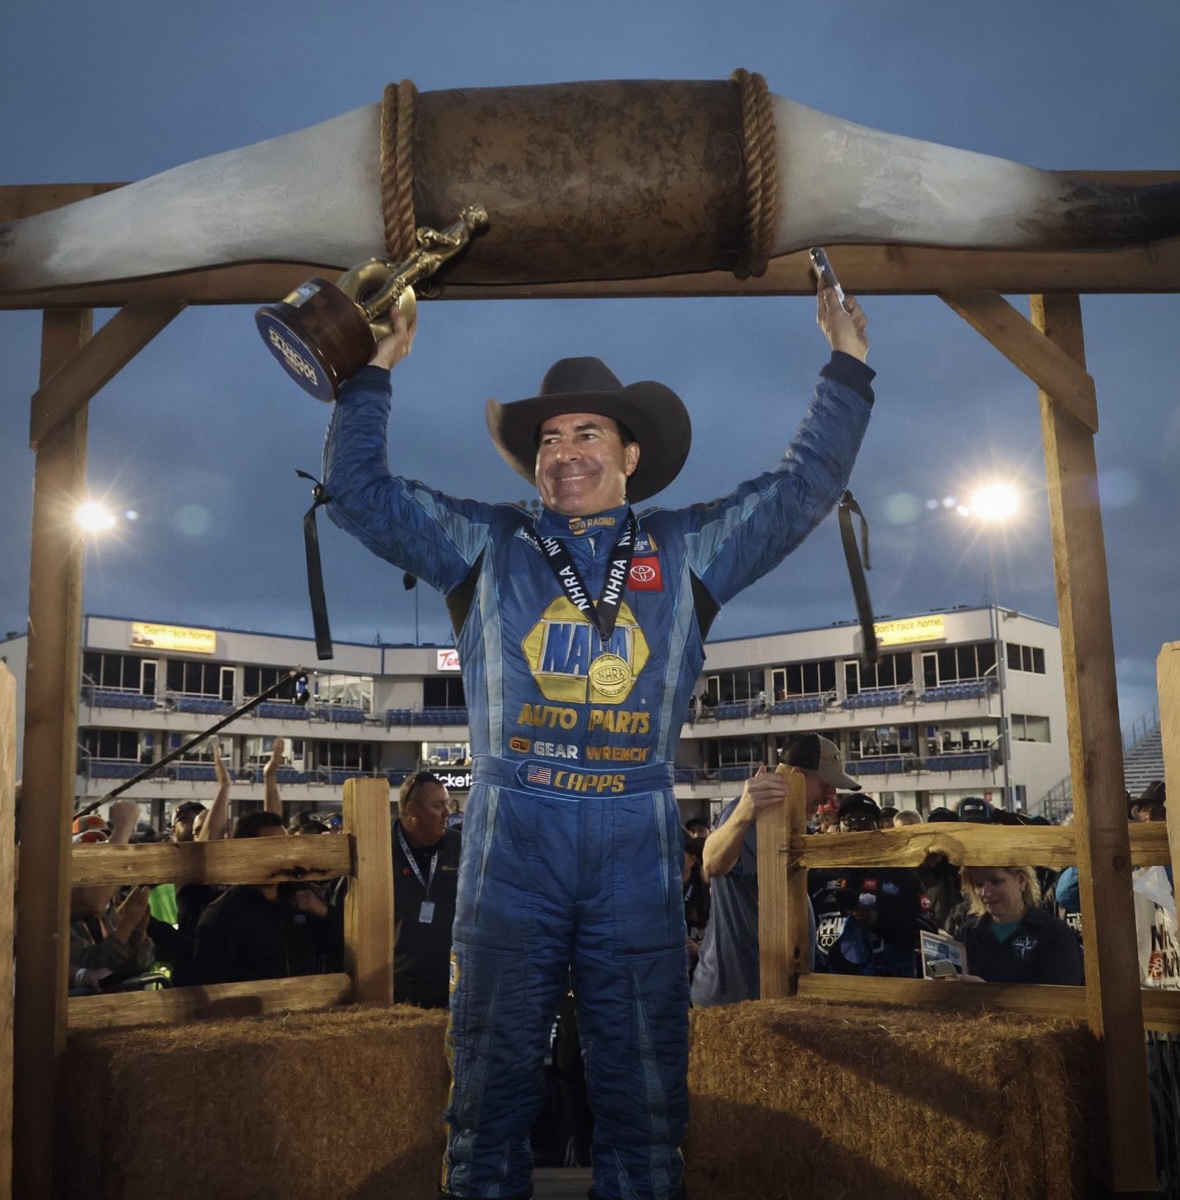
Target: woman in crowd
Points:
(1009, 937)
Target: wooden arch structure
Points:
(1048, 349)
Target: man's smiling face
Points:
(582, 465)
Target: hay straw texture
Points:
(797, 1099)
(344, 1104)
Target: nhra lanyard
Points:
(413, 861)
(603, 614)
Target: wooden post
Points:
(1167, 673)
(784, 930)
(47, 802)
(1113, 1005)
(368, 910)
(7, 880)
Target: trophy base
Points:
(318, 336)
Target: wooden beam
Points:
(7, 887)
(51, 713)
(19, 200)
(884, 270)
(369, 918)
(1161, 1009)
(262, 997)
(1027, 348)
(72, 385)
(1167, 673)
(966, 845)
(1113, 1005)
(248, 860)
(784, 933)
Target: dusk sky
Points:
(200, 436)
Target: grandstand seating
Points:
(888, 765)
(195, 772)
(105, 768)
(975, 761)
(341, 713)
(874, 698)
(206, 705)
(282, 712)
(106, 698)
(794, 705)
(972, 689)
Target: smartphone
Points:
(822, 266)
(940, 968)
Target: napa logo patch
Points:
(570, 662)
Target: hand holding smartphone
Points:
(822, 266)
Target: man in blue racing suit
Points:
(581, 636)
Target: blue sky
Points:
(202, 433)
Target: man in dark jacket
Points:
(425, 882)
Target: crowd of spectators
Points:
(201, 934)
(1018, 923)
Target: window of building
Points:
(1028, 728)
(1026, 658)
(344, 756)
(894, 670)
(953, 738)
(187, 678)
(731, 687)
(122, 672)
(733, 752)
(443, 691)
(958, 664)
(780, 741)
(811, 678)
(125, 745)
(881, 740)
(203, 751)
(256, 751)
(255, 681)
(350, 691)
(446, 754)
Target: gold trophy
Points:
(322, 332)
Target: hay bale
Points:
(799, 1098)
(346, 1103)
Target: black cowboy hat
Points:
(654, 415)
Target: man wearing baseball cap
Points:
(581, 632)
(727, 970)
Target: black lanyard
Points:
(603, 614)
(413, 861)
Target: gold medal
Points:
(610, 676)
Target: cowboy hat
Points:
(654, 415)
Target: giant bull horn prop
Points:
(604, 180)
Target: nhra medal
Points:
(610, 676)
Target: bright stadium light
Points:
(994, 503)
(93, 517)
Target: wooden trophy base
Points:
(318, 336)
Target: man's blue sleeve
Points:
(418, 529)
(738, 539)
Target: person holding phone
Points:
(581, 631)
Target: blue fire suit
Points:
(572, 848)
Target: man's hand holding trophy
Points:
(322, 332)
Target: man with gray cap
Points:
(727, 970)
(581, 636)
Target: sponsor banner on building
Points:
(173, 637)
(447, 660)
(930, 628)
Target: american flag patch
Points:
(539, 774)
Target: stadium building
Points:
(922, 727)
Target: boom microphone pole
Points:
(301, 698)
